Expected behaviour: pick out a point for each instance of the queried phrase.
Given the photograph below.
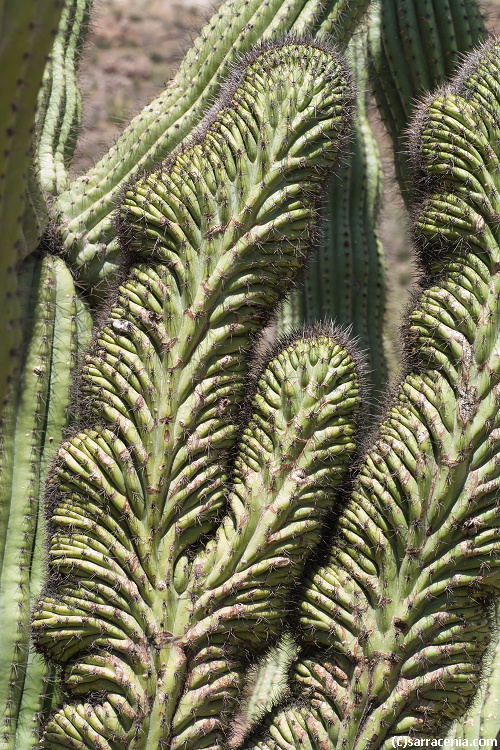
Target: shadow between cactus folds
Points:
(152, 625)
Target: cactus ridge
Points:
(482, 721)
(216, 233)
(417, 545)
(32, 427)
(26, 37)
(88, 204)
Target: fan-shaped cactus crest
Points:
(212, 535)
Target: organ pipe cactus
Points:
(227, 561)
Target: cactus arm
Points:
(415, 44)
(396, 624)
(59, 105)
(293, 454)
(27, 34)
(223, 225)
(346, 280)
(86, 230)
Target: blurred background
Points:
(133, 51)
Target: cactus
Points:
(205, 548)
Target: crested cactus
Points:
(202, 545)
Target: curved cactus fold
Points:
(482, 721)
(396, 622)
(223, 226)
(86, 207)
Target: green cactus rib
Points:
(276, 496)
(482, 721)
(346, 279)
(31, 431)
(86, 207)
(224, 225)
(414, 46)
(59, 101)
(396, 622)
(26, 35)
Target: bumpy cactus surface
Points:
(200, 547)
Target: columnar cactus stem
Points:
(224, 224)
(398, 617)
(59, 106)
(27, 32)
(346, 280)
(31, 430)
(198, 510)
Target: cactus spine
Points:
(88, 204)
(27, 30)
(414, 46)
(416, 555)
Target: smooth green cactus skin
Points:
(346, 280)
(26, 34)
(87, 205)
(414, 46)
(397, 620)
(224, 225)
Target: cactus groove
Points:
(223, 565)
(414, 46)
(350, 248)
(31, 429)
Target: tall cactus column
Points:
(27, 30)
(57, 329)
(346, 279)
(216, 234)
